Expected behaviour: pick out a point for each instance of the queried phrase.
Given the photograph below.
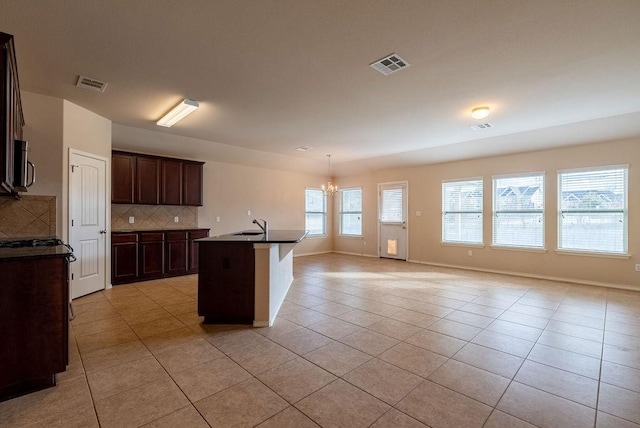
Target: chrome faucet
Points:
(264, 227)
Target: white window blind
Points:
(391, 209)
(315, 211)
(593, 213)
(351, 212)
(518, 211)
(462, 211)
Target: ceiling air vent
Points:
(481, 126)
(390, 64)
(91, 84)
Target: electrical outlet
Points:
(364, 243)
(217, 219)
(248, 212)
(176, 219)
(470, 253)
(638, 267)
(418, 213)
(132, 220)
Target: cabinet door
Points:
(147, 180)
(193, 248)
(171, 182)
(124, 258)
(122, 178)
(151, 254)
(192, 183)
(177, 249)
(11, 118)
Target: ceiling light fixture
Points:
(480, 112)
(178, 113)
(329, 188)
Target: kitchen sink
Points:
(248, 232)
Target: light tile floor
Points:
(358, 342)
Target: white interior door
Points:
(87, 232)
(392, 203)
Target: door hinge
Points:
(71, 277)
(73, 168)
(71, 223)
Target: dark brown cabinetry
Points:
(226, 282)
(154, 180)
(124, 257)
(143, 255)
(147, 181)
(193, 248)
(151, 255)
(176, 252)
(11, 118)
(34, 323)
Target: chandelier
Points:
(329, 188)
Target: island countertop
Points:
(256, 236)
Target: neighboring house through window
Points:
(518, 211)
(462, 211)
(592, 210)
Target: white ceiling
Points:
(273, 75)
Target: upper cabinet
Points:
(11, 119)
(155, 180)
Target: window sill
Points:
(316, 236)
(593, 254)
(462, 244)
(350, 236)
(525, 249)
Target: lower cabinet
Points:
(144, 255)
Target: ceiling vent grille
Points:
(91, 84)
(481, 126)
(390, 64)
(304, 148)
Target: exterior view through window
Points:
(351, 212)
(462, 211)
(518, 211)
(315, 211)
(592, 215)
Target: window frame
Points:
(445, 212)
(323, 212)
(342, 212)
(624, 210)
(495, 212)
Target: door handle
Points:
(102, 232)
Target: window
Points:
(351, 212)
(592, 215)
(518, 211)
(315, 207)
(462, 211)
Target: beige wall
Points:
(43, 129)
(277, 196)
(425, 231)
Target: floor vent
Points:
(481, 126)
(390, 64)
(91, 84)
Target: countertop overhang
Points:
(272, 237)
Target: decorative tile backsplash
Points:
(31, 216)
(149, 217)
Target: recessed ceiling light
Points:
(480, 112)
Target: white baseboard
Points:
(531, 275)
(311, 254)
(354, 254)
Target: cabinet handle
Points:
(33, 174)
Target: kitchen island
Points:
(244, 276)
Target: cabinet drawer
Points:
(197, 234)
(124, 238)
(151, 236)
(177, 236)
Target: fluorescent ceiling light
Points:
(178, 113)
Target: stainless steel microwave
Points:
(21, 166)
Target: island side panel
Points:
(226, 282)
(274, 275)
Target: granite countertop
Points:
(256, 236)
(159, 230)
(33, 252)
